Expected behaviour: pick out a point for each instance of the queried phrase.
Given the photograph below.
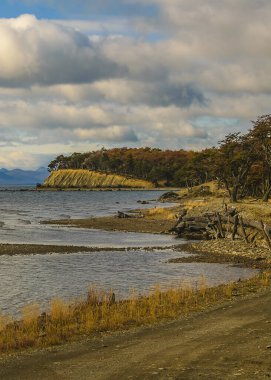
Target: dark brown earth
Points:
(110, 223)
(231, 341)
(214, 258)
(199, 256)
(36, 249)
(30, 249)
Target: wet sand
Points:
(111, 223)
(214, 258)
(31, 249)
(39, 249)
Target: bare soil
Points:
(31, 249)
(111, 223)
(36, 249)
(234, 251)
(230, 341)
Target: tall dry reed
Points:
(101, 312)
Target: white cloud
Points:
(114, 133)
(41, 52)
(72, 85)
(11, 159)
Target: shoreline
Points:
(209, 255)
(212, 251)
(108, 348)
(225, 333)
(9, 249)
(112, 223)
(33, 188)
(199, 252)
(232, 333)
(107, 189)
(156, 220)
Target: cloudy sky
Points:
(79, 75)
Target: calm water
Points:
(39, 278)
(22, 212)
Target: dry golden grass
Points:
(80, 178)
(254, 209)
(212, 186)
(161, 213)
(196, 203)
(100, 312)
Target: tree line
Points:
(241, 162)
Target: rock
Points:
(180, 226)
(169, 196)
(123, 215)
(192, 235)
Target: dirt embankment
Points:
(230, 341)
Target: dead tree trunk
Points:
(220, 227)
(235, 226)
(266, 234)
(243, 230)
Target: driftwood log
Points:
(215, 225)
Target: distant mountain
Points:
(22, 177)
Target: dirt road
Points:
(230, 341)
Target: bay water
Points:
(39, 278)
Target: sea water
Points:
(39, 278)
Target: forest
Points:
(240, 162)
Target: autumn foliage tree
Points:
(260, 134)
(152, 164)
(234, 159)
(242, 162)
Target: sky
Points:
(176, 74)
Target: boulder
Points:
(123, 215)
(169, 196)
